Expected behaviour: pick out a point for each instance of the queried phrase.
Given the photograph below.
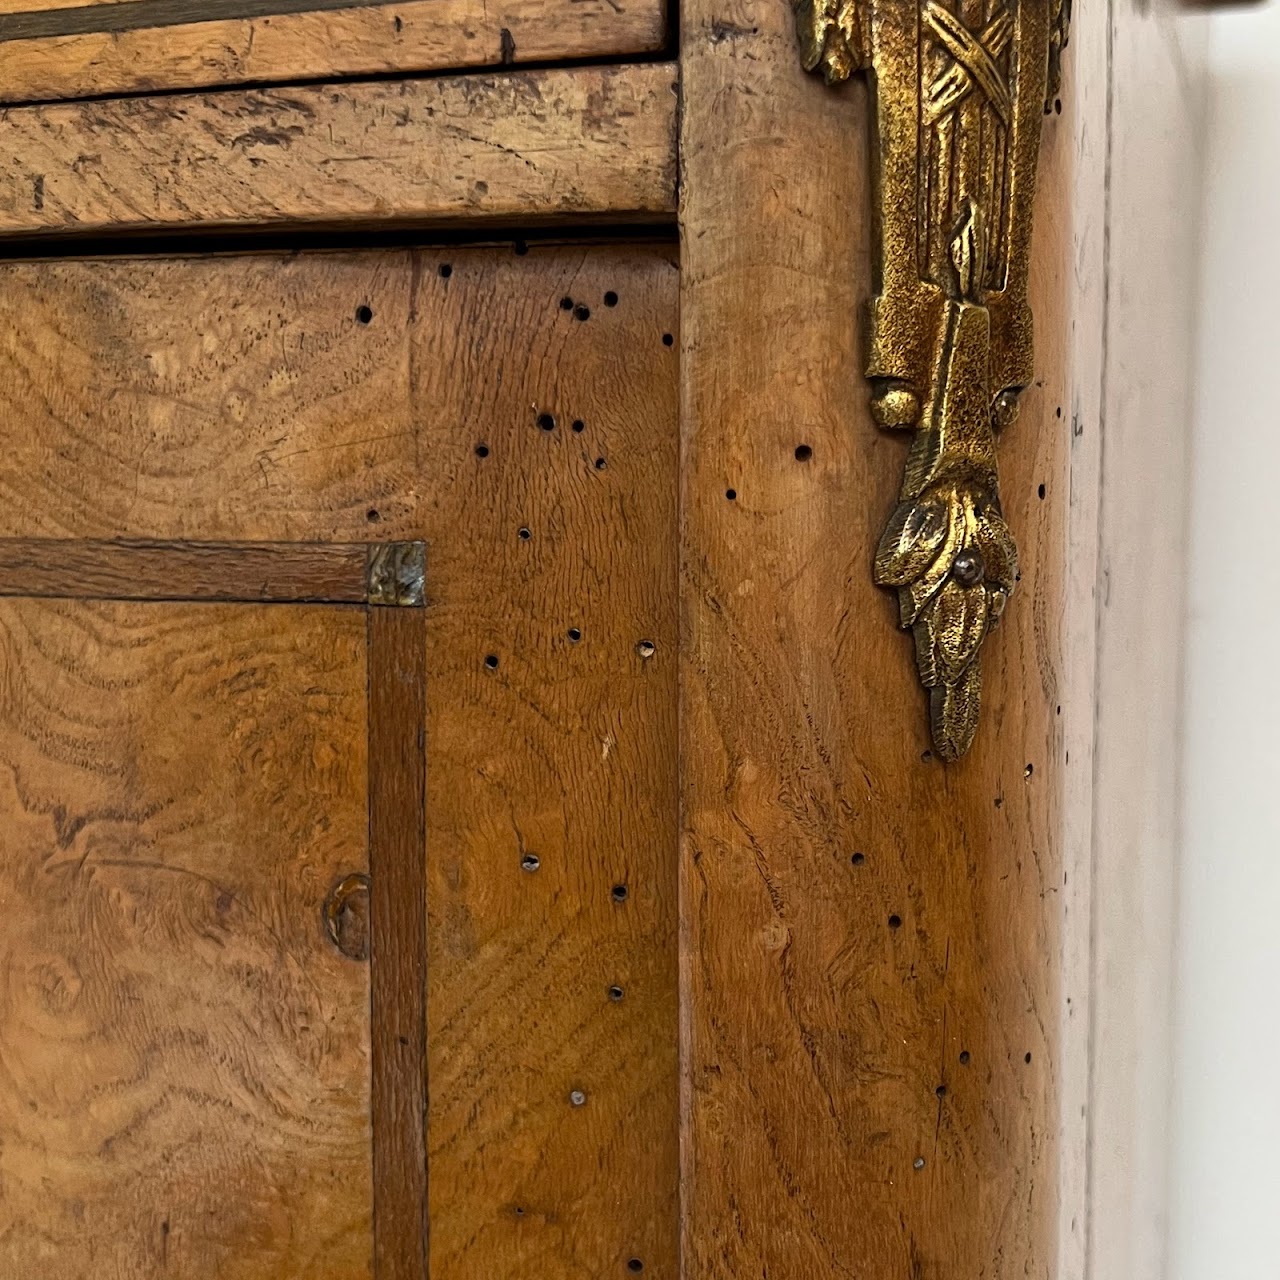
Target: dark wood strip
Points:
(104, 18)
(262, 572)
(398, 903)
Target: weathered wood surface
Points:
(518, 412)
(185, 1054)
(871, 939)
(122, 570)
(66, 49)
(527, 145)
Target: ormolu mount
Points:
(959, 93)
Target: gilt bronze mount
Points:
(959, 90)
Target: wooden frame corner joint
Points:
(397, 574)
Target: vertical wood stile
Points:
(397, 889)
(870, 939)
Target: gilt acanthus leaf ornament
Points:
(959, 88)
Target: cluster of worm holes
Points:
(859, 859)
(645, 649)
(802, 453)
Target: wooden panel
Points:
(66, 48)
(586, 142)
(185, 1054)
(871, 937)
(518, 412)
(126, 570)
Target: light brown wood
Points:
(45, 6)
(185, 1054)
(590, 142)
(143, 47)
(870, 938)
(487, 395)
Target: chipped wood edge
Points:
(382, 39)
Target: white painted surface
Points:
(1225, 1183)
(1156, 111)
(1085, 105)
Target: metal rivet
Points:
(968, 569)
(918, 1162)
(530, 862)
(646, 649)
(578, 1098)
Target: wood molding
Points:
(149, 45)
(583, 143)
(398, 958)
(1157, 108)
(139, 569)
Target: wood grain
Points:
(870, 938)
(398, 909)
(184, 1054)
(52, 49)
(138, 570)
(533, 145)
(489, 395)
(563, 753)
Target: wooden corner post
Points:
(871, 873)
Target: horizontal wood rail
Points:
(245, 572)
(528, 147)
(50, 51)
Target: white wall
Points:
(1225, 1181)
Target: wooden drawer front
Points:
(52, 49)
(185, 1053)
(518, 412)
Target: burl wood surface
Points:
(184, 1056)
(582, 142)
(871, 953)
(518, 411)
(66, 49)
